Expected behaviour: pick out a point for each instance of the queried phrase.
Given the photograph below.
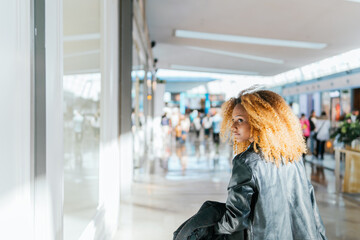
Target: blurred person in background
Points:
(312, 121)
(178, 133)
(165, 124)
(355, 115)
(305, 126)
(165, 121)
(95, 124)
(78, 125)
(207, 124)
(322, 130)
(216, 122)
(185, 127)
(295, 108)
(142, 119)
(197, 125)
(193, 115)
(175, 118)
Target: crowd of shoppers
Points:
(180, 125)
(315, 129)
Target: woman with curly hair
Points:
(269, 194)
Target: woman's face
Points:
(240, 127)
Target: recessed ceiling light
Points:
(212, 70)
(357, 1)
(248, 40)
(239, 55)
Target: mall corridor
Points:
(110, 110)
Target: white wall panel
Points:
(317, 103)
(349, 81)
(303, 102)
(15, 119)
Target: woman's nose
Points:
(233, 127)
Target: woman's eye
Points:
(240, 120)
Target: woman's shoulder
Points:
(248, 158)
(242, 172)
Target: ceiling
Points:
(333, 22)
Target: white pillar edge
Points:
(54, 118)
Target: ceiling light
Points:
(357, 1)
(212, 70)
(248, 40)
(239, 55)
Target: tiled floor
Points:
(168, 190)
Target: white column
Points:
(126, 139)
(109, 167)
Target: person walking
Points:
(305, 126)
(269, 194)
(197, 126)
(355, 115)
(185, 127)
(322, 134)
(165, 125)
(216, 121)
(178, 133)
(207, 124)
(312, 121)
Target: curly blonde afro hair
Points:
(273, 126)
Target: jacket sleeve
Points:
(238, 203)
(319, 224)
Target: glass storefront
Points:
(82, 83)
(138, 115)
(81, 151)
(335, 109)
(345, 102)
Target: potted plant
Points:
(348, 131)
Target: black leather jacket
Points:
(269, 202)
(201, 225)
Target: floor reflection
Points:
(318, 175)
(81, 176)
